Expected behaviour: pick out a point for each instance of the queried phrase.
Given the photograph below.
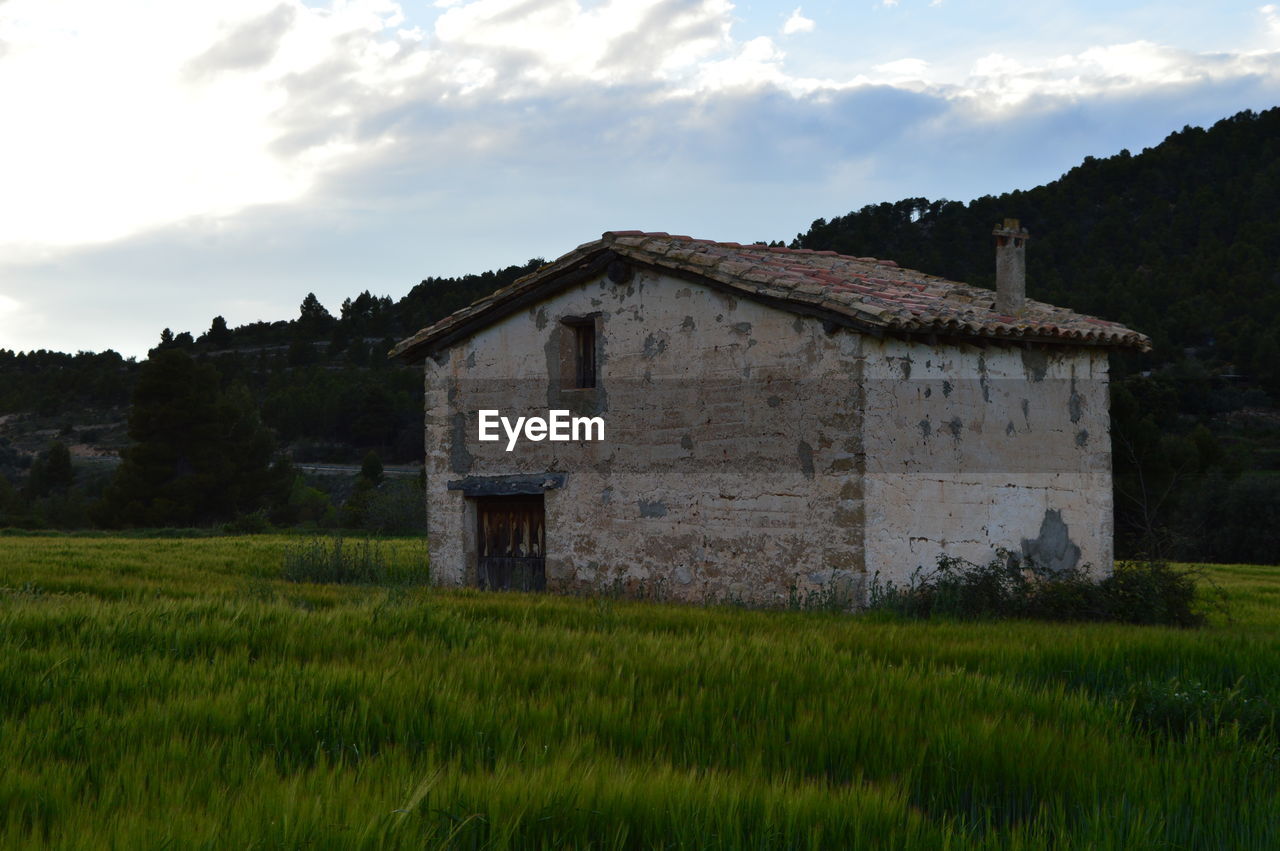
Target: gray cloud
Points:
(671, 22)
(250, 45)
(738, 166)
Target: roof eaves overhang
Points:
(593, 260)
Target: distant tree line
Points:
(200, 456)
(51, 382)
(216, 420)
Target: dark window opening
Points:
(584, 355)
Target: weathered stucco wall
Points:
(736, 441)
(969, 449)
(730, 466)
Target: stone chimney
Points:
(1011, 267)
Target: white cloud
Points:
(757, 64)
(1271, 17)
(18, 323)
(536, 43)
(999, 82)
(901, 70)
(111, 130)
(797, 23)
(120, 129)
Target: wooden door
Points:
(511, 543)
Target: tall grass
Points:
(1148, 593)
(365, 561)
(160, 693)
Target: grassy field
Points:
(161, 693)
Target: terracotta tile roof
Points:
(859, 291)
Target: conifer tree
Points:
(200, 453)
(218, 335)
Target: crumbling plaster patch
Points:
(1052, 549)
(979, 466)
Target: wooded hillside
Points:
(1181, 241)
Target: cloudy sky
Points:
(164, 161)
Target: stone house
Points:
(775, 422)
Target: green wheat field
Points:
(168, 693)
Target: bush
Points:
(247, 524)
(335, 560)
(1177, 709)
(1010, 586)
(306, 506)
(371, 467)
(396, 508)
(356, 505)
(1152, 593)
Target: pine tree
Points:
(218, 335)
(314, 319)
(371, 468)
(51, 472)
(200, 454)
